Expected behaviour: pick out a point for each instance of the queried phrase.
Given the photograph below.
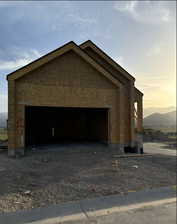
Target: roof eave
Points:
(38, 59)
(58, 52)
(139, 92)
(89, 43)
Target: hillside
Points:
(3, 120)
(162, 110)
(160, 120)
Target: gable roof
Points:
(137, 91)
(101, 53)
(56, 53)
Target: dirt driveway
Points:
(43, 178)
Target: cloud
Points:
(3, 103)
(76, 18)
(156, 50)
(126, 6)
(9, 65)
(153, 12)
(158, 91)
(54, 15)
(19, 59)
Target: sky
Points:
(138, 35)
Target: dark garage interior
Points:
(47, 125)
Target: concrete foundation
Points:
(139, 143)
(11, 152)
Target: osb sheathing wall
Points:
(128, 94)
(66, 81)
(138, 98)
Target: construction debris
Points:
(115, 164)
(27, 192)
(135, 166)
(131, 155)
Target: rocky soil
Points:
(44, 178)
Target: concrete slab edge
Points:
(89, 208)
(103, 212)
(132, 155)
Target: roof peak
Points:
(97, 49)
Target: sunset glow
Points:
(139, 35)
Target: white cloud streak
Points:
(153, 12)
(156, 50)
(9, 65)
(3, 103)
(76, 18)
(22, 58)
(52, 13)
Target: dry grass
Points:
(3, 134)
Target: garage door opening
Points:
(47, 125)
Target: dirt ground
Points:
(44, 178)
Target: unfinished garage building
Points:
(73, 94)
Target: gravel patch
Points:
(44, 178)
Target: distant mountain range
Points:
(160, 120)
(3, 120)
(150, 110)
